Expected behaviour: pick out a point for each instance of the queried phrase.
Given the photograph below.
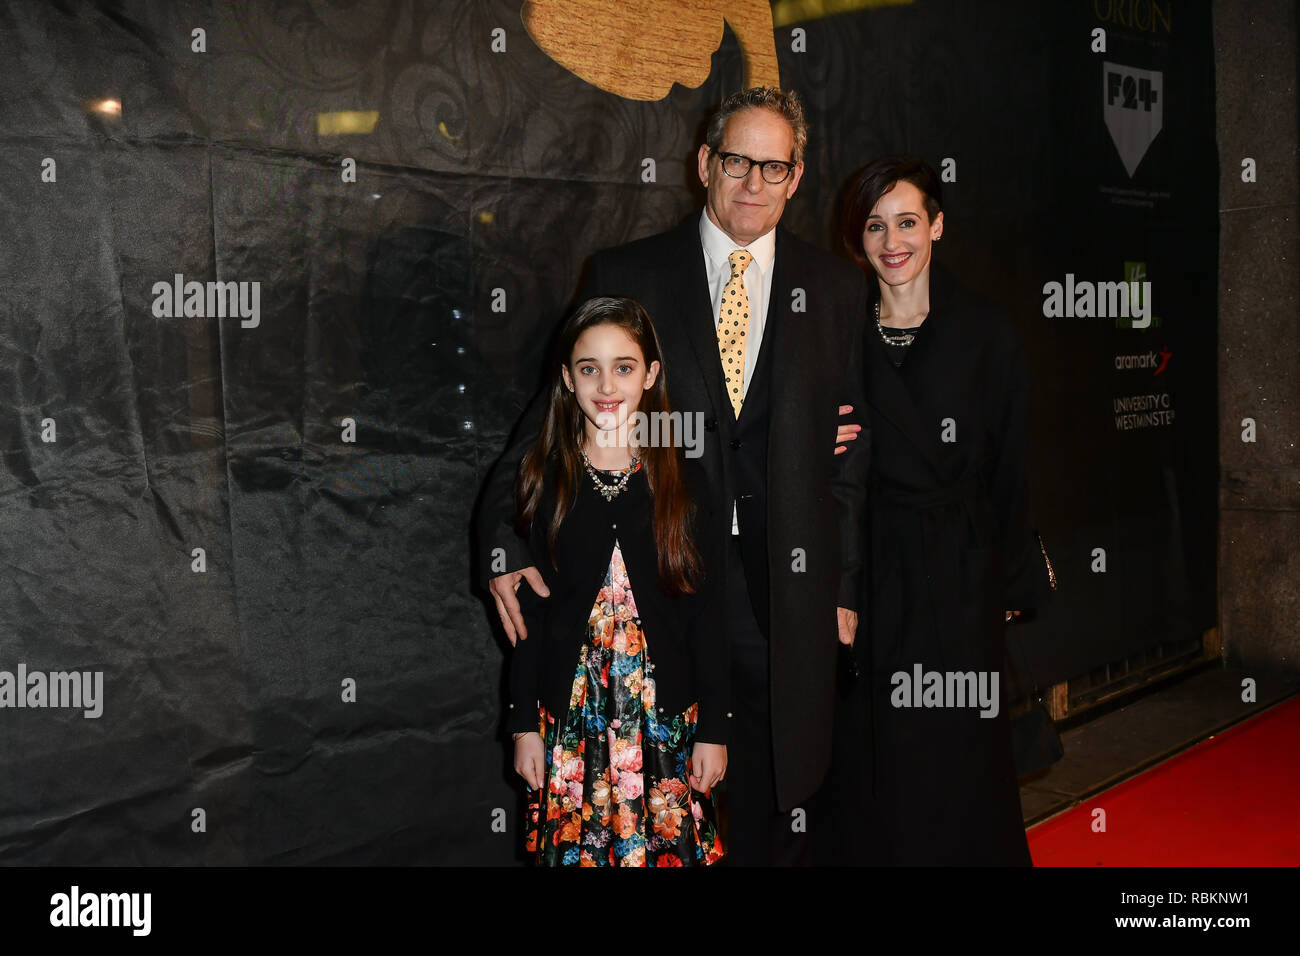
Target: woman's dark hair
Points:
(560, 442)
(874, 180)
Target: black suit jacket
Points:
(815, 501)
(684, 637)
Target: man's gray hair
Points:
(785, 103)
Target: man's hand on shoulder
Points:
(503, 588)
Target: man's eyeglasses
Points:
(737, 166)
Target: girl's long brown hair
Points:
(560, 442)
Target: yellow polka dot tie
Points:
(733, 324)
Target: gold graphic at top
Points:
(638, 49)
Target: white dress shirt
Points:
(718, 247)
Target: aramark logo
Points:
(1133, 105)
(213, 300)
(75, 689)
(75, 908)
(1156, 360)
(1101, 300)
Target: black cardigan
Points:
(684, 636)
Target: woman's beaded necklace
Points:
(893, 338)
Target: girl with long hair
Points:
(619, 701)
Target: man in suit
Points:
(762, 337)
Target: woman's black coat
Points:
(684, 637)
(951, 552)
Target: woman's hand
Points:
(708, 766)
(846, 432)
(530, 758)
(848, 625)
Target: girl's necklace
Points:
(607, 490)
(892, 338)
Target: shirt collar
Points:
(718, 245)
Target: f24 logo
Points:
(1133, 103)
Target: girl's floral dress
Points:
(616, 786)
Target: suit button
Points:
(711, 425)
(735, 443)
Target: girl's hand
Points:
(530, 759)
(707, 767)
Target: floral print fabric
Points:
(616, 787)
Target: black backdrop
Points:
(416, 302)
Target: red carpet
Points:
(1233, 800)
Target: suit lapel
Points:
(779, 335)
(695, 312)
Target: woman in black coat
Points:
(952, 553)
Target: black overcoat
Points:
(951, 551)
(814, 500)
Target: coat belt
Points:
(964, 491)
